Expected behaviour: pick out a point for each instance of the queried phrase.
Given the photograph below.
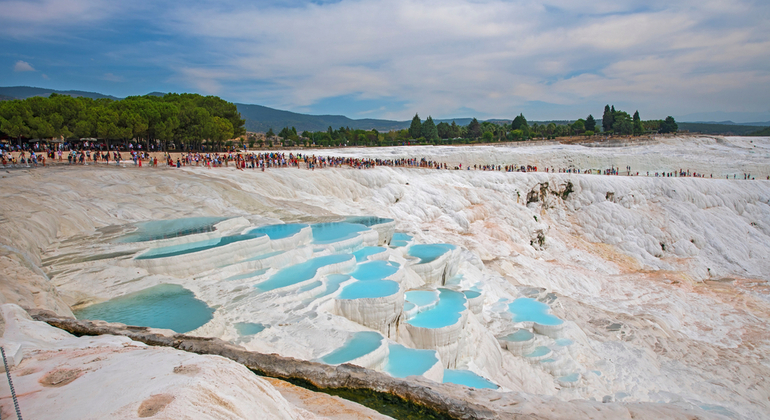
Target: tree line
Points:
(419, 131)
(182, 119)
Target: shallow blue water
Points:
(564, 342)
(327, 233)
(310, 286)
(161, 229)
(572, 377)
(374, 270)
(539, 352)
(400, 236)
(369, 289)
(333, 282)
(471, 294)
(300, 272)
(368, 220)
(167, 306)
(520, 335)
(445, 313)
(362, 343)
(403, 361)
(176, 250)
(429, 252)
(279, 231)
(247, 275)
(421, 297)
(467, 378)
(366, 251)
(526, 309)
(398, 244)
(248, 328)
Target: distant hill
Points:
(262, 118)
(723, 129)
(756, 124)
(24, 92)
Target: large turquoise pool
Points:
(527, 309)
(429, 252)
(300, 272)
(361, 344)
(467, 378)
(163, 306)
(400, 239)
(327, 233)
(363, 253)
(403, 361)
(445, 313)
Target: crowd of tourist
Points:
(269, 160)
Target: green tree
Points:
(622, 124)
(429, 130)
(519, 123)
(474, 129)
(579, 126)
(669, 125)
(444, 130)
(638, 129)
(415, 129)
(608, 119)
(590, 123)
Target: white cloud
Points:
(22, 66)
(113, 78)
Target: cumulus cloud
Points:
(494, 58)
(21, 66)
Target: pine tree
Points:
(474, 129)
(590, 123)
(638, 129)
(429, 130)
(519, 122)
(608, 118)
(415, 130)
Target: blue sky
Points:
(391, 58)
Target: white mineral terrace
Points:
(561, 285)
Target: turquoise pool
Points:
(167, 306)
(374, 270)
(400, 239)
(176, 250)
(368, 220)
(279, 231)
(445, 313)
(467, 378)
(369, 289)
(328, 233)
(403, 361)
(428, 253)
(519, 335)
(248, 328)
(161, 229)
(527, 309)
(361, 344)
(363, 253)
(300, 272)
(421, 297)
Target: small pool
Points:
(527, 309)
(368, 220)
(248, 328)
(300, 272)
(361, 344)
(168, 306)
(400, 239)
(182, 249)
(374, 270)
(445, 313)
(333, 282)
(403, 361)
(162, 229)
(429, 252)
(327, 233)
(471, 294)
(421, 297)
(369, 289)
(564, 342)
(279, 231)
(467, 378)
(572, 377)
(539, 351)
(363, 253)
(519, 335)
